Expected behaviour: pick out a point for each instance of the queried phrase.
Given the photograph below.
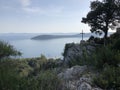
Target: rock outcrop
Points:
(73, 51)
(77, 78)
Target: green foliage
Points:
(104, 56)
(96, 40)
(48, 81)
(115, 36)
(109, 78)
(102, 15)
(116, 46)
(10, 78)
(106, 60)
(7, 50)
(76, 61)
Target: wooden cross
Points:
(82, 34)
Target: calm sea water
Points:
(34, 48)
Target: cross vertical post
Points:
(82, 34)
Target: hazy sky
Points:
(43, 16)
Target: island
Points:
(48, 37)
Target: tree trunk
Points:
(106, 33)
(105, 38)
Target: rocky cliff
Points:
(78, 78)
(73, 51)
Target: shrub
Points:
(76, 61)
(81, 59)
(11, 80)
(8, 78)
(96, 40)
(116, 46)
(109, 78)
(104, 56)
(48, 80)
(115, 36)
(7, 50)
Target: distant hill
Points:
(47, 37)
(57, 36)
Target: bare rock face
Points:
(72, 73)
(84, 86)
(73, 51)
(77, 78)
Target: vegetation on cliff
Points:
(104, 15)
(42, 74)
(29, 74)
(105, 60)
(7, 50)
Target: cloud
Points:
(28, 7)
(25, 3)
(6, 7)
(32, 9)
(44, 11)
(57, 9)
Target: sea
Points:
(30, 48)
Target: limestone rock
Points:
(97, 89)
(85, 86)
(73, 51)
(72, 73)
(77, 78)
